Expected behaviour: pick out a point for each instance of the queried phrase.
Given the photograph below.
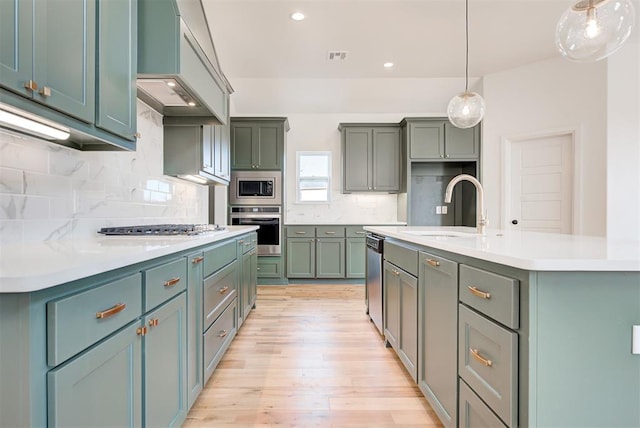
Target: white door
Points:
(541, 184)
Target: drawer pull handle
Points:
(240, 241)
(223, 333)
(360, 233)
(330, 233)
(111, 311)
(197, 260)
(224, 289)
(479, 293)
(477, 356)
(432, 262)
(172, 282)
(300, 233)
(153, 322)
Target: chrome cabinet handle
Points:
(433, 263)
(482, 294)
(480, 358)
(197, 260)
(111, 311)
(172, 282)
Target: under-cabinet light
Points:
(193, 178)
(22, 121)
(297, 16)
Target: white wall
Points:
(315, 108)
(50, 192)
(623, 136)
(549, 96)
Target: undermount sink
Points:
(445, 233)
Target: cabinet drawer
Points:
(403, 257)
(219, 256)
(494, 295)
(329, 232)
(488, 362)
(163, 282)
(473, 412)
(247, 243)
(301, 231)
(218, 337)
(78, 321)
(219, 289)
(355, 232)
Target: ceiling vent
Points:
(337, 55)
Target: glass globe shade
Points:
(466, 110)
(592, 30)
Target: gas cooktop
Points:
(162, 229)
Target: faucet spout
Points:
(482, 221)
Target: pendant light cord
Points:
(466, 26)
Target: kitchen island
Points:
(516, 328)
(123, 330)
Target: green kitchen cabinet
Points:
(437, 139)
(356, 257)
(165, 364)
(301, 257)
(196, 150)
(117, 59)
(270, 267)
(103, 384)
(247, 273)
(370, 158)
(437, 332)
(35, 31)
(194, 326)
(400, 307)
(258, 143)
(330, 258)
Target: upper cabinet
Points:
(258, 143)
(370, 157)
(197, 152)
(73, 63)
(438, 139)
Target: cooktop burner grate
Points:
(162, 229)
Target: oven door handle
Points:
(256, 218)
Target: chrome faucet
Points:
(482, 216)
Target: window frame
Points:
(328, 155)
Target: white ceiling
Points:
(424, 38)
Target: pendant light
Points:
(591, 30)
(466, 109)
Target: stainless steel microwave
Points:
(255, 188)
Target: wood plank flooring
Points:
(309, 356)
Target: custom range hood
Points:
(178, 70)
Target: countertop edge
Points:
(40, 281)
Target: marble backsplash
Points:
(50, 192)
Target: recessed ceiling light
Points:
(388, 65)
(297, 16)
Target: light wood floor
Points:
(309, 356)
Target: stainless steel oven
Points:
(255, 188)
(268, 219)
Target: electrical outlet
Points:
(438, 209)
(444, 209)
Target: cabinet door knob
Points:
(223, 333)
(153, 322)
(514, 221)
(141, 331)
(45, 91)
(31, 85)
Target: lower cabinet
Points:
(301, 257)
(247, 276)
(474, 413)
(356, 257)
(330, 258)
(194, 326)
(103, 384)
(165, 364)
(401, 315)
(218, 337)
(437, 333)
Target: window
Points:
(313, 176)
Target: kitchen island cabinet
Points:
(544, 331)
(108, 324)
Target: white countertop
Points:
(341, 223)
(36, 266)
(527, 250)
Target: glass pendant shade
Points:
(466, 110)
(591, 30)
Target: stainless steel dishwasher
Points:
(374, 279)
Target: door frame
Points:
(576, 147)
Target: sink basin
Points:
(445, 233)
